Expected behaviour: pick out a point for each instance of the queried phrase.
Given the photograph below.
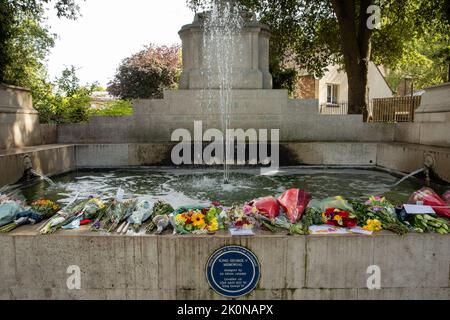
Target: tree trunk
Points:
(357, 75)
(356, 49)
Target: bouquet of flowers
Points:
(160, 217)
(46, 208)
(197, 221)
(426, 223)
(71, 216)
(267, 206)
(335, 211)
(117, 212)
(339, 218)
(65, 216)
(142, 212)
(240, 217)
(9, 210)
(430, 198)
(379, 209)
(294, 203)
(40, 210)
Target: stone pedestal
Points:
(250, 57)
(435, 106)
(19, 121)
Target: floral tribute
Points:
(199, 221)
(46, 208)
(339, 218)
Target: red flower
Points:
(350, 223)
(344, 214)
(329, 211)
(216, 203)
(238, 224)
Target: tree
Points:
(323, 32)
(147, 73)
(25, 40)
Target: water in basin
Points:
(189, 186)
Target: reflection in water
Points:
(181, 187)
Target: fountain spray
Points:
(222, 28)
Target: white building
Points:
(332, 89)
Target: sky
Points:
(111, 30)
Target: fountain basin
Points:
(172, 267)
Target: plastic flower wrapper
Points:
(446, 198)
(8, 211)
(92, 208)
(336, 203)
(21, 219)
(294, 203)
(267, 206)
(118, 212)
(65, 216)
(160, 208)
(142, 212)
(430, 198)
(282, 222)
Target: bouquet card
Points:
(327, 229)
(418, 209)
(241, 232)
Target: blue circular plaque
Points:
(233, 271)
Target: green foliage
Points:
(25, 39)
(308, 31)
(116, 108)
(425, 60)
(25, 42)
(64, 101)
(147, 73)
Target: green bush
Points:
(116, 108)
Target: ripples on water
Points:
(181, 187)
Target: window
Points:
(332, 93)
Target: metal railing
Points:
(340, 108)
(392, 110)
(389, 110)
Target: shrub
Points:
(146, 74)
(116, 108)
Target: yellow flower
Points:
(198, 220)
(180, 218)
(98, 202)
(373, 225)
(338, 218)
(214, 225)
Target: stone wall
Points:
(49, 160)
(19, 121)
(155, 120)
(172, 267)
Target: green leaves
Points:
(147, 73)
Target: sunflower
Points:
(198, 220)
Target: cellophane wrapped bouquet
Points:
(196, 220)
